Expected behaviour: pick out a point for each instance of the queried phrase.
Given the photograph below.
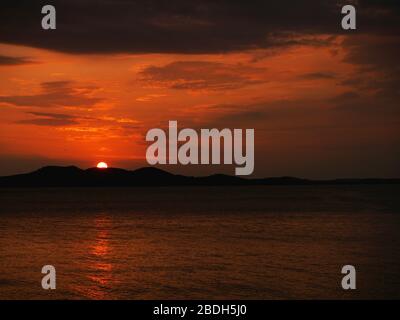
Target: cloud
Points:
(52, 122)
(100, 126)
(348, 96)
(350, 111)
(181, 26)
(318, 76)
(52, 115)
(373, 52)
(203, 75)
(50, 119)
(376, 60)
(14, 61)
(54, 94)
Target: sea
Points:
(253, 242)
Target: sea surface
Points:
(263, 242)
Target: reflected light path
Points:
(99, 261)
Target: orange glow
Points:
(69, 109)
(102, 165)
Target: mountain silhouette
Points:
(71, 176)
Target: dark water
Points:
(228, 243)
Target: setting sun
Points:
(102, 165)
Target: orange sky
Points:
(59, 108)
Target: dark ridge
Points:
(71, 176)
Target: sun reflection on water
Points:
(99, 264)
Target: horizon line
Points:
(202, 176)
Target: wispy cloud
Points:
(321, 75)
(54, 94)
(203, 75)
(50, 119)
(14, 61)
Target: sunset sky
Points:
(324, 102)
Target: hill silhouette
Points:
(71, 176)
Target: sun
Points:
(102, 165)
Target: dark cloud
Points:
(14, 61)
(52, 115)
(351, 111)
(348, 96)
(318, 76)
(374, 52)
(378, 70)
(181, 26)
(62, 119)
(54, 94)
(52, 122)
(50, 119)
(199, 75)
